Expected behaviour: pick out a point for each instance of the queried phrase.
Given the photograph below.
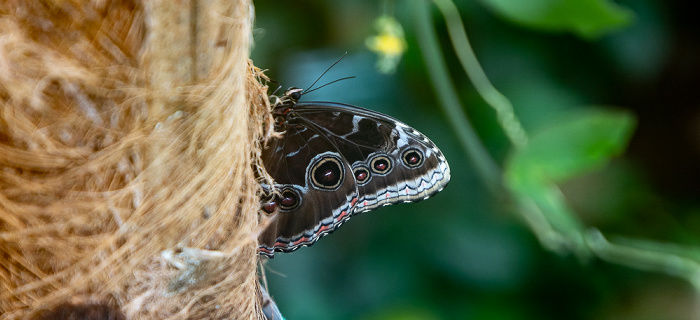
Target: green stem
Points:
(460, 42)
(486, 167)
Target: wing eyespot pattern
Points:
(270, 206)
(412, 158)
(381, 165)
(290, 199)
(327, 172)
(362, 174)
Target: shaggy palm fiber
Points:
(128, 136)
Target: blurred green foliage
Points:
(583, 228)
(588, 18)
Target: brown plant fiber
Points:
(128, 138)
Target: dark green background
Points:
(462, 254)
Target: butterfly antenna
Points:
(324, 72)
(332, 82)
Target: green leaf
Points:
(583, 142)
(587, 18)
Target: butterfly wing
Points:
(383, 161)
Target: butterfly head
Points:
(293, 94)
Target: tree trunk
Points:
(128, 138)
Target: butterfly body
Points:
(331, 161)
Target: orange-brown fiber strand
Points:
(128, 141)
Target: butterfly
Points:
(331, 161)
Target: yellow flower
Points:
(386, 44)
(390, 43)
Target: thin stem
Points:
(486, 167)
(504, 108)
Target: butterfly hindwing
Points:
(315, 189)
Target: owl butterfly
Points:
(331, 161)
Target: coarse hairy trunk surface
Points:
(128, 136)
